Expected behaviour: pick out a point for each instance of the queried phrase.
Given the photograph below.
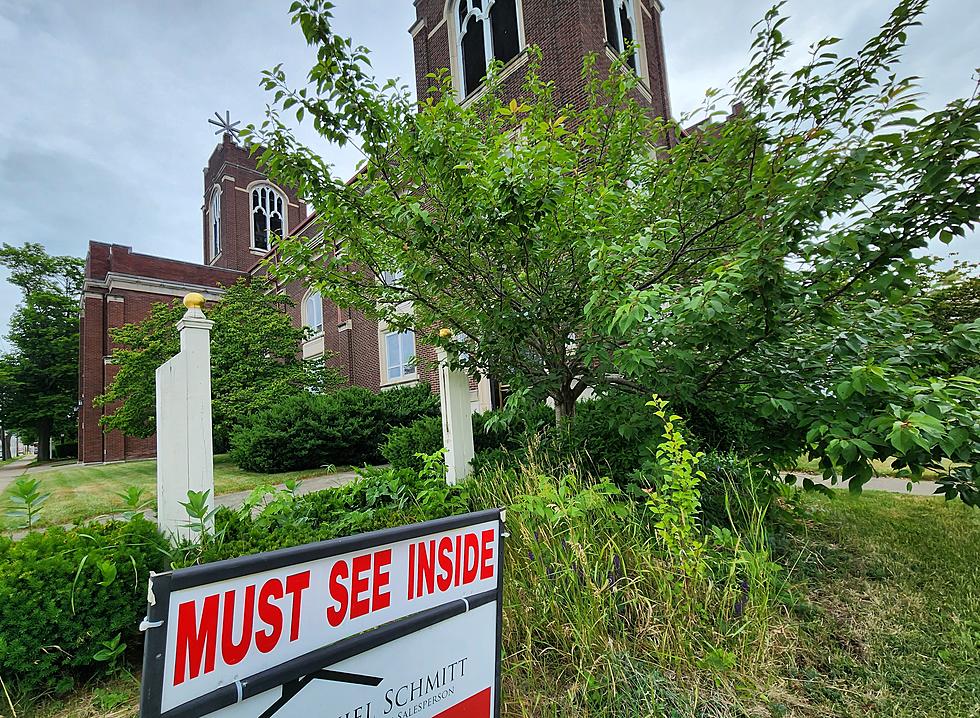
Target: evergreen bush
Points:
(63, 593)
(404, 442)
(344, 427)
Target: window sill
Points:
(518, 61)
(259, 252)
(393, 383)
(214, 259)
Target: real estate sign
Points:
(403, 623)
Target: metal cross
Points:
(224, 124)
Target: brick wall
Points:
(565, 30)
(105, 306)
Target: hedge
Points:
(64, 592)
(345, 427)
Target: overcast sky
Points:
(103, 127)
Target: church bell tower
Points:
(243, 209)
(465, 35)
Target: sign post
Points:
(394, 623)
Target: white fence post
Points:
(185, 456)
(457, 421)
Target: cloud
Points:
(103, 132)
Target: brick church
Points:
(242, 209)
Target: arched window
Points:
(268, 215)
(486, 30)
(313, 312)
(621, 28)
(214, 215)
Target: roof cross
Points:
(224, 124)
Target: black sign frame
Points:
(162, 585)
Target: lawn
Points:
(884, 608)
(79, 493)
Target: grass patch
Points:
(885, 609)
(107, 698)
(80, 493)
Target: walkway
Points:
(9, 473)
(877, 483)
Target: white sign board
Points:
(401, 622)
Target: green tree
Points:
(41, 374)
(478, 216)
(957, 298)
(6, 403)
(760, 268)
(776, 282)
(254, 361)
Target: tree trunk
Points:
(44, 440)
(4, 445)
(566, 400)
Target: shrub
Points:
(510, 428)
(285, 437)
(345, 427)
(382, 498)
(499, 437)
(65, 593)
(403, 405)
(611, 435)
(732, 490)
(404, 442)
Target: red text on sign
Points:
(260, 610)
(441, 564)
(359, 586)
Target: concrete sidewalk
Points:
(877, 483)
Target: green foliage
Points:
(379, 499)
(957, 298)
(776, 275)
(594, 614)
(405, 443)
(39, 377)
(511, 427)
(754, 266)
(403, 405)
(135, 500)
(254, 363)
(676, 501)
(611, 435)
(344, 427)
(200, 516)
(26, 500)
(66, 597)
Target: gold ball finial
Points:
(445, 333)
(194, 300)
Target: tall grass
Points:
(601, 618)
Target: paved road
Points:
(307, 486)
